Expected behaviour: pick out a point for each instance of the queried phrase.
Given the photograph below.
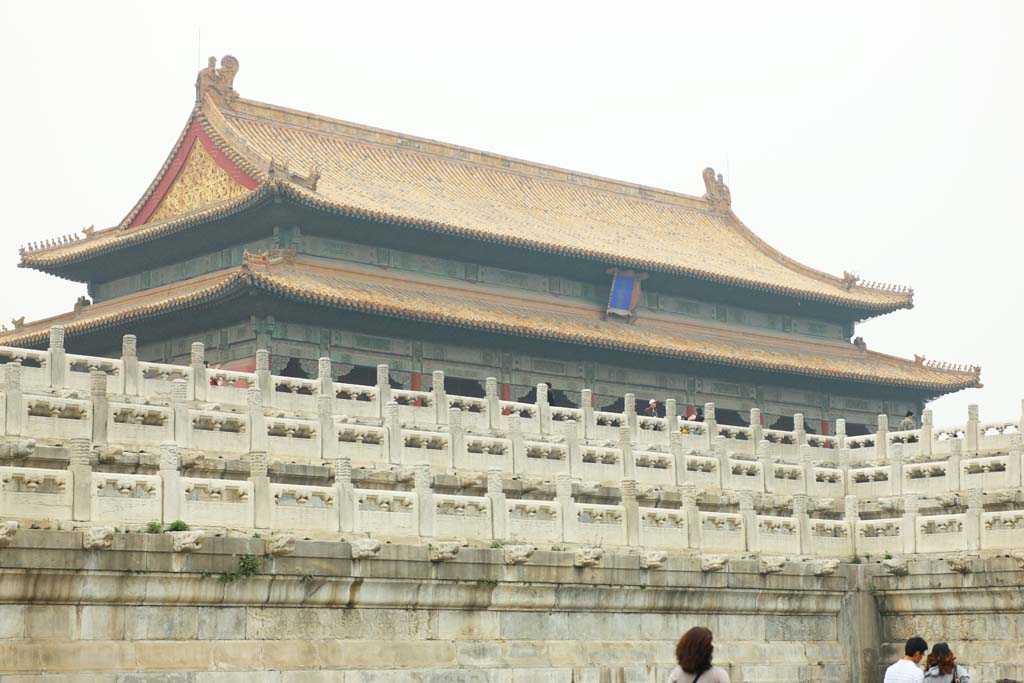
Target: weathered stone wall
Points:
(976, 605)
(137, 611)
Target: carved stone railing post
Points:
(129, 365)
(259, 439)
(626, 446)
(688, 495)
(15, 407)
(493, 403)
(756, 430)
(803, 521)
(393, 429)
(457, 440)
(972, 430)
(851, 513)
(1014, 466)
(807, 465)
(515, 435)
(897, 459)
(425, 499)
(675, 449)
(724, 469)
(882, 437)
(926, 432)
(263, 376)
(570, 431)
(100, 405)
(589, 418)
(953, 473)
(749, 515)
(499, 510)
(764, 456)
(563, 496)
(710, 424)
(439, 396)
(543, 409)
(345, 493)
(911, 506)
(383, 389)
(671, 420)
(629, 411)
(843, 460)
(632, 512)
(262, 499)
(58, 360)
(198, 363)
(325, 432)
(799, 433)
(81, 476)
(975, 506)
(182, 420)
(1020, 422)
(170, 480)
(324, 378)
(841, 433)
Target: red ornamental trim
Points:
(195, 132)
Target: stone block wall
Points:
(976, 605)
(137, 611)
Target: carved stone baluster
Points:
(710, 425)
(851, 513)
(499, 509)
(345, 492)
(926, 433)
(911, 506)
(493, 408)
(975, 506)
(628, 466)
(100, 405)
(688, 495)
(457, 440)
(515, 434)
(764, 450)
(15, 413)
(259, 439)
(543, 409)
(799, 432)
(129, 365)
(383, 390)
(263, 378)
(439, 396)
(80, 467)
(756, 430)
(57, 358)
(170, 479)
(749, 516)
(841, 433)
(425, 499)
(198, 363)
(803, 521)
(629, 414)
(393, 430)
(971, 432)
(632, 509)
(182, 420)
(589, 419)
(882, 438)
(563, 496)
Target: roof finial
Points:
(217, 82)
(717, 191)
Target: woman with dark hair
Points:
(941, 666)
(693, 653)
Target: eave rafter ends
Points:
(280, 274)
(261, 147)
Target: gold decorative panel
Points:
(200, 182)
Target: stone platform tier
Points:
(91, 440)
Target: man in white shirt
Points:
(907, 670)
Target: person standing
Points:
(941, 667)
(693, 653)
(907, 423)
(907, 670)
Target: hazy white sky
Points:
(882, 138)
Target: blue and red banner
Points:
(625, 293)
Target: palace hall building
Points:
(270, 228)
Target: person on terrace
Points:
(693, 654)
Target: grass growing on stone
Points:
(154, 528)
(248, 565)
(178, 525)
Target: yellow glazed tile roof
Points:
(367, 172)
(478, 307)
